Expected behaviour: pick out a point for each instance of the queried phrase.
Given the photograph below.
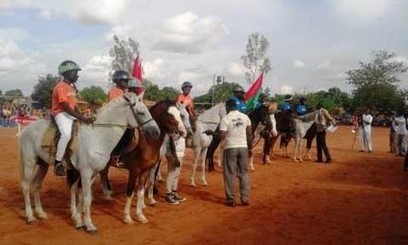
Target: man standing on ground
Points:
(365, 131)
(322, 120)
(235, 128)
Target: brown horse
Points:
(144, 157)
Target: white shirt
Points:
(367, 119)
(400, 125)
(235, 124)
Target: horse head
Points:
(261, 115)
(139, 115)
(168, 117)
(185, 117)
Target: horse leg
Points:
(197, 154)
(203, 179)
(28, 169)
(129, 193)
(140, 198)
(37, 183)
(150, 194)
(106, 187)
(86, 180)
(266, 150)
(76, 210)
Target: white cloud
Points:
(14, 3)
(47, 14)
(188, 33)
(286, 89)
(100, 11)
(236, 69)
(154, 69)
(400, 59)
(323, 65)
(298, 64)
(363, 9)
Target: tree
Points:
(1, 92)
(123, 53)
(43, 90)
(14, 92)
(154, 93)
(376, 84)
(255, 60)
(93, 94)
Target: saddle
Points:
(51, 137)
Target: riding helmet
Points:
(120, 75)
(238, 89)
(186, 84)
(68, 65)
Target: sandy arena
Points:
(360, 198)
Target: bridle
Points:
(138, 120)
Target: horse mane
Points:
(166, 101)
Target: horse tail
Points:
(72, 176)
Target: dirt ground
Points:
(360, 198)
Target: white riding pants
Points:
(64, 122)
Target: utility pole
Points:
(213, 89)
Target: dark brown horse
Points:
(144, 157)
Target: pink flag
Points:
(137, 69)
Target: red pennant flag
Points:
(253, 90)
(137, 69)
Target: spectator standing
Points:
(235, 129)
(400, 128)
(365, 131)
(322, 120)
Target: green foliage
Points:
(1, 92)
(123, 54)
(217, 93)
(43, 90)
(255, 60)
(154, 93)
(14, 92)
(93, 94)
(376, 83)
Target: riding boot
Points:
(59, 169)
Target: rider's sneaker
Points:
(59, 169)
(170, 199)
(178, 198)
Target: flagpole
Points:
(213, 90)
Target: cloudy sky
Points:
(312, 42)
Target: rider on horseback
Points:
(239, 98)
(64, 109)
(121, 79)
(185, 98)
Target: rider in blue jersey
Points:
(286, 106)
(239, 97)
(301, 108)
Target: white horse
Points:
(302, 124)
(94, 146)
(209, 120)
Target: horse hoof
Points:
(92, 231)
(193, 184)
(80, 227)
(128, 221)
(43, 216)
(143, 220)
(31, 220)
(152, 203)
